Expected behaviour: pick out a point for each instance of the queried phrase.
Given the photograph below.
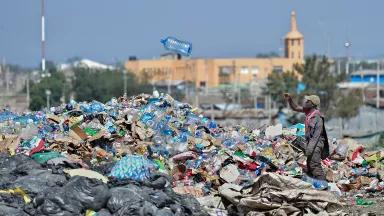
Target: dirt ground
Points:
(377, 208)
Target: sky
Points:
(112, 30)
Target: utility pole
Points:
(378, 85)
(48, 94)
(169, 80)
(186, 82)
(269, 107)
(28, 94)
(42, 36)
(197, 85)
(235, 80)
(6, 77)
(206, 76)
(238, 90)
(125, 82)
(347, 45)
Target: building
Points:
(215, 72)
(367, 76)
(85, 63)
(370, 82)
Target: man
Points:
(317, 142)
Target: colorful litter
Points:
(156, 155)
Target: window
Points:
(202, 83)
(225, 70)
(244, 70)
(224, 74)
(277, 69)
(255, 70)
(292, 42)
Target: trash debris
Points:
(86, 173)
(17, 191)
(157, 155)
(363, 202)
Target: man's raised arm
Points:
(292, 104)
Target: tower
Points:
(42, 36)
(294, 42)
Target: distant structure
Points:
(85, 63)
(42, 36)
(215, 72)
(294, 42)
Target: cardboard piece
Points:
(229, 173)
(273, 131)
(78, 134)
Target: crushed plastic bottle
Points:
(6, 115)
(363, 202)
(316, 184)
(175, 45)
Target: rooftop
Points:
(367, 72)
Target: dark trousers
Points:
(314, 168)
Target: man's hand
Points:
(287, 96)
(293, 105)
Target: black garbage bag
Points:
(11, 167)
(21, 171)
(104, 212)
(78, 195)
(158, 181)
(123, 196)
(139, 208)
(165, 212)
(190, 206)
(129, 194)
(11, 200)
(38, 181)
(104, 169)
(6, 210)
(19, 163)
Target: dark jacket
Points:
(316, 136)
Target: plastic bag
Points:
(132, 167)
(43, 157)
(122, 196)
(77, 196)
(342, 150)
(17, 191)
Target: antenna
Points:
(42, 37)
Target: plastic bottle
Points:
(212, 125)
(181, 47)
(317, 184)
(362, 202)
(229, 143)
(146, 117)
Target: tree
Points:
(102, 85)
(228, 95)
(347, 105)
(279, 83)
(318, 79)
(316, 75)
(55, 83)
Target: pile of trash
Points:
(153, 155)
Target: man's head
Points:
(311, 101)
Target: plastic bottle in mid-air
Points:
(175, 45)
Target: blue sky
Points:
(110, 30)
